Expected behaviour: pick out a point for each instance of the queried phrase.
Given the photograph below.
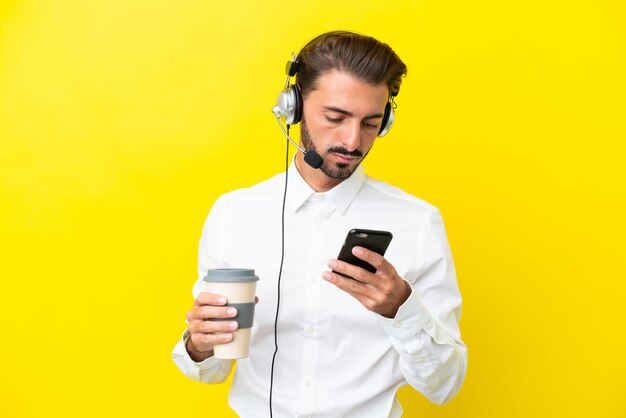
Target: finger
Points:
(205, 342)
(208, 312)
(206, 298)
(350, 270)
(358, 290)
(373, 258)
(355, 288)
(256, 299)
(200, 326)
(371, 297)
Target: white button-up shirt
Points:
(335, 358)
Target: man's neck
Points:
(315, 177)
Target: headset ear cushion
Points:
(387, 121)
(297, 108)
(289, 105)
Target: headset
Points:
(289, 104)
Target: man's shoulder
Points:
(399, 196)
(256, 193)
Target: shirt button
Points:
(397, 324)
(312, 278)
(309, 330)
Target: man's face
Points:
(341, 119)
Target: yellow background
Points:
(122, 121)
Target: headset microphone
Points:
(312, 158)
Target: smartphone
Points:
(376, 241)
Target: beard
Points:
(338, 171)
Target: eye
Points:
(333, 120)
(370, 125)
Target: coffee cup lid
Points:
(231, 276)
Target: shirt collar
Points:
(341, 195)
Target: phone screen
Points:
(376, 241)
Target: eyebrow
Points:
(345, 112)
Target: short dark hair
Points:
(361, 56)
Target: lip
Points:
(346, 159)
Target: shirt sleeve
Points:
(425, 331)
(211, 370)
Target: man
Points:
(346, 344)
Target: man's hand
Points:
(202, 331)
(382, 292)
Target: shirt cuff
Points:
(410, 319)
(206, 364)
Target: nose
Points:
(352, 138)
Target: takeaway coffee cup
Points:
(239, 288)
